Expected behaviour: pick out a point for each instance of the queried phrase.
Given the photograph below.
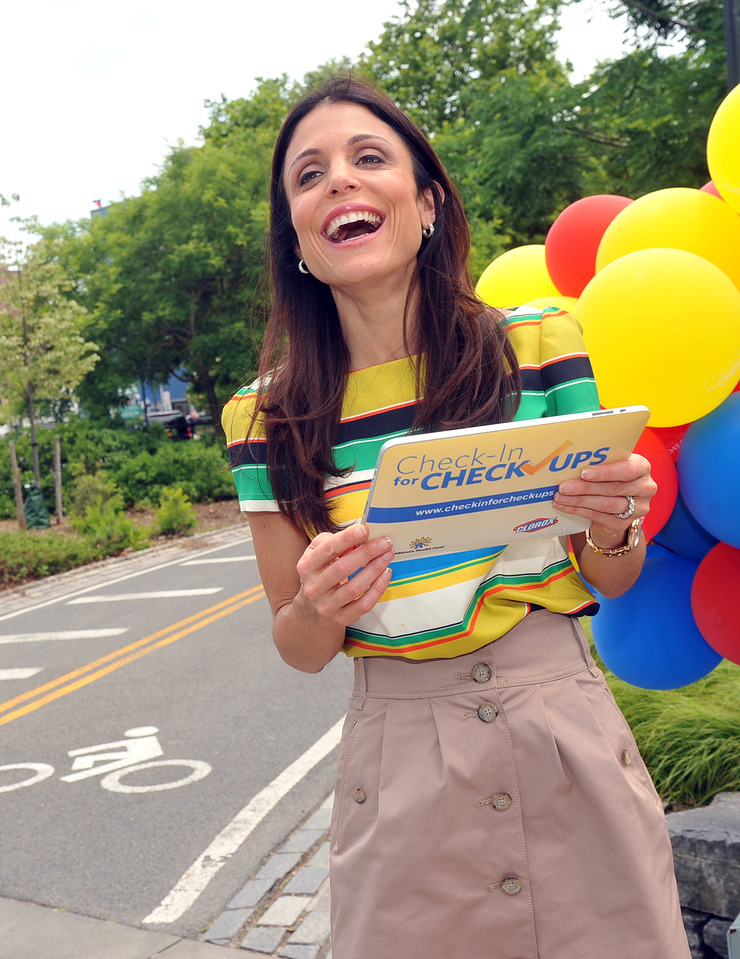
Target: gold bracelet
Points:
(633, 538)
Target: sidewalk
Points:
(282, 912)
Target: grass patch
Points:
(688, 737)
(29, 555)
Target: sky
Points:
(96, 92)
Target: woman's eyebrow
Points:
(353, 141)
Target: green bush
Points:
(198, 470)
(89, 490)
(688, 737)
(139, 462)
(106, 525)
(26, 555)
(175, 515)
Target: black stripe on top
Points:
(556, 374)
(378, 424)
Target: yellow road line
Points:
(105, 665)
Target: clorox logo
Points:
(536, 524)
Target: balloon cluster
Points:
(655, 284)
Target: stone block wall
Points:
(706, 852)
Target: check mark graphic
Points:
(531, 468)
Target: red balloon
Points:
(715, 602)
(672, 437)
(663, 471)
(573, 239)
(711, 188)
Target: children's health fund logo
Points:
(474, 467)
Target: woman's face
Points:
(355, 207)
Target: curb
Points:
(283, 910)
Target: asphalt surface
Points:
(280, 912)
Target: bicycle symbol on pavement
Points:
(114, 761)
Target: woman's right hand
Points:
(344, 574)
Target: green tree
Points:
(483, 80)
(647, 114)
(169, 276)
(43, 353)
(443, 56)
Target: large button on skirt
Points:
(485, 810)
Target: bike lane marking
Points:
(105, 665)
(195, 880)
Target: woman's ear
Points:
(427, 206)
(427, 210)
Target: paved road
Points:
(162, 657)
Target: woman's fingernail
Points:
(588, 474)
(566, 488)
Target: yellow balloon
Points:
(662, 328)
(723, 149)
(682, 219)
(516, 277)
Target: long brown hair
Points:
(469, 377)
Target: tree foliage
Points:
(173, 279)
(169, 275)
(43, 352)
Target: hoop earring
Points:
(303, 268)
(428, 232)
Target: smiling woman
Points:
(482, 751)
(358, 217)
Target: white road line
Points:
(145, 571)
(22, 673)
(156, 594)
(61, 635)
(228, 841)
(218, 559)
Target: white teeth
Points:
(353, 217)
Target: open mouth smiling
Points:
(352, 226)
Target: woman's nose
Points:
(342, 178)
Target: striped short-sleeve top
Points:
(441, 606)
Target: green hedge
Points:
(141, 463)
(26, 555)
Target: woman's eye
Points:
(307, 176)
(370, 158)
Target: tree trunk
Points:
(215, 406)
(58, 477)
(34, 443)
(17, 487)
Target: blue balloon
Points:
(709, 468)
(683, 535)
(648, 636)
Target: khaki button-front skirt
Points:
(495, 806)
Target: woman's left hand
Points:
(607, 490)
